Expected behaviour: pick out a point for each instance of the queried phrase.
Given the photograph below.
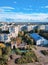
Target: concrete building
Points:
(29, 27)
(13, 31)
(24, 28)
(46, 27)
(4, 27)
(4, 37)
(42, 27)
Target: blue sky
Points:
(24, 10)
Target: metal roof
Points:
(35, 36)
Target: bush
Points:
(6, 50)
(3, 61)
(5, 57)
(4, 54)
(28, 57)
(17, 51)
(45, 52)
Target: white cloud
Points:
(6, 9)
(44, 6)
(15, 2)
(1, 10)
(21, 17)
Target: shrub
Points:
(3, 61)
(45, 52)
(4, 54)
(28, 57)
(17, 51)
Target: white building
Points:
(4, 27)
(42, 27)
(21, 27)
(46, 27)
(14, 31)
(4, 38)
(29, 27)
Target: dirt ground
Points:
(43, 60)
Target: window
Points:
(5, 37)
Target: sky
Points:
(23, 10)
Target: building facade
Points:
(4, 38)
